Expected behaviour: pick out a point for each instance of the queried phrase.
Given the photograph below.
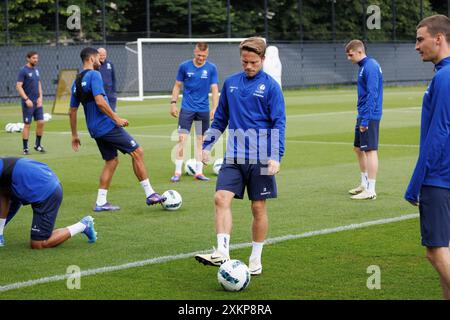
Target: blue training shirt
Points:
(97, 122)
(32, 181)
(370, 91)
(250, 107)
(109, 79)
(197, 82)
(433, 165)
(30, 79)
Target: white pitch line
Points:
(164, 259)
(287, 140)
(351, 143)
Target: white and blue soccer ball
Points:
(14, 127)
(217, 165)
(190, 167)
(173, 200)
(47, 117)
(234, 275)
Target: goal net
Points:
(153, 64)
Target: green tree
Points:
(34, 21)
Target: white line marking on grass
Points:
(164, 259)
(351, 143)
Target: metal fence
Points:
(304, 64)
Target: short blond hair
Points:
(254, 44)
(355, 45)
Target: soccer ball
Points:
(173, 200)
(190, 167)
(47, 117)
(217, 165)
(9, 127)
(20, 126)
(233, 275)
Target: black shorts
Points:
(201, 120)
(434, 207)
(368, 140)
(116, 139)
(235, 177)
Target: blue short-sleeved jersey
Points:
(197, 82)
(97, 122)
(30, 79)
(32, 181)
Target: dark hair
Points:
(202, 46)
(354, 45)
(86, 53)
(436, 24)
(31, 53)
(254, 44)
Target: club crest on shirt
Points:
(30, 74)
(361, 73)
(37, 72)
(108, 66)
(259, 92)
(204, 74)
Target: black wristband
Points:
(173, 101)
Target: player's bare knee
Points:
(137, 154)
(258, 208)
(37, 244)
(220, 199)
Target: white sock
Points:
(101, 196)
(371, 185)
(147, 187)
(178, 166)
(199, 168)
(223, 243)
(256, 250)
(364, 178)
(2, 226)
(76, 228)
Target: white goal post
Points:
(140, 61)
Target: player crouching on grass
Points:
(25, 181)
(106, 127)
(251, 103)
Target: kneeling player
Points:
(25, 181)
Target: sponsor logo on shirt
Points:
(232, 88)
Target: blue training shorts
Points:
(116, 139)
(29, 113)
(44, 214)
(236, 177)
(368, 140)
(434, 208)
(200, 119)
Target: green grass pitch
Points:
(318, 168)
